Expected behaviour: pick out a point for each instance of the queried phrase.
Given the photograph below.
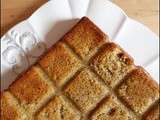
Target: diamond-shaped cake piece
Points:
(85, 37)
(32, 88)
(153, 114)
(58, 109)
(59, 63)
(138, 90)
(111, 109)
(85, 90)
(111, 63)
(10, 110)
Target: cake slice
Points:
(32, 89)
(138, 90)
(111, 109)
(59, 64)
(59, 109)
(85, 90)
(85, 38)
(112, 64)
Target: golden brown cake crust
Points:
(83, 76)
(32, 89)
(9, 108)
(59, 63)
(111, 109)
(8, 111)
(139, 90)
(58, 109)
(112, 63)
(85, 90)
(85, 37)
(29, 87)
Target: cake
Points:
(84, 76)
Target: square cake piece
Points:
(111, 109)
(58, 109)
(85, 38)
(111, 63)
(10, 110)
(85, 90)
(59, 63)
(32, 89)
(138, 90)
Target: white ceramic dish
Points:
(24, 43)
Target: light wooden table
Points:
(14, 11)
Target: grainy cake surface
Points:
(10, 110)
(59, 109)
(85, 90)
(59, 63)
(111, 63)
(138, 90)
(111, 109)
(82, 77)
(85, 37)
(31, 88)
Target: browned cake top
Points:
(32, 88)
(29, 87)
(84, 76)
(85, 90)
(111, 63)
(138, 90)
(59, 109)
(111, 109)
(59, 63)
(85, 37)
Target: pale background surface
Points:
(145, 11)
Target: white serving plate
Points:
(25, 42)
